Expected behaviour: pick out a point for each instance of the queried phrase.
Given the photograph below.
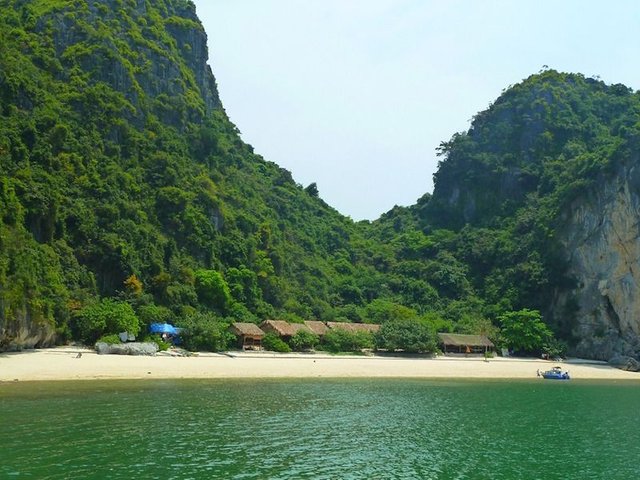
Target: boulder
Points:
(622, 362)
(132, 348)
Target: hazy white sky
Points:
(356, 95)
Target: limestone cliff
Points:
(602, 240)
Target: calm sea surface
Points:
(333, 429)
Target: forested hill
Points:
(122, 177)
(126, 193)
(540, 204)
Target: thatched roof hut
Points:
(317, 327)
(249, 334)
(282, 328)
(354, 327)
(460, 343)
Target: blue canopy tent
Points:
(164, 328)
(172, 333)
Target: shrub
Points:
(304, 340)
(555, 348)
(162, 345)
(205, 332)
(111, 339)
(274, 343)
(408, 335)
(105, 317)
(341, 340)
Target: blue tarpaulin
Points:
(164, 328)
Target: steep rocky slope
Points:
(601, 237)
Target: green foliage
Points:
(106, 317)
(555, 348)
(157, 339)
(152, 313)
(524, 331)
(204, 332)
(273, 343)
(340, 340)
(111, 339)
(212, 289)
(408, 335)
(382, 311)
(304, 340)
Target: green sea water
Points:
(320, 429)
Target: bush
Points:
(341, 340)
(162, 345)
(555, 348)
(106, 317)
(204, 332)
(152, 313)
(408, 335)
(111, 339)
(274, 343)
(304, 340)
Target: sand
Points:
(63, 364)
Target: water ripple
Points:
(329, 429)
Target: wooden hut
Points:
(282, 329)
(317, 327)
(354, 327)
(459, 343)
(249, 335)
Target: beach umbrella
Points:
(163, 328)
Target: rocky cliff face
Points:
(158, 51)
(602, 241)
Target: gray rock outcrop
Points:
(629, 364)
(602, 240)
(132, 348)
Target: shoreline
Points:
(62, 363)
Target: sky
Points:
(356, 95)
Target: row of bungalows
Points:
(250, 335)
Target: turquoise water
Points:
(327, 429)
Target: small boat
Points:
(555, 373)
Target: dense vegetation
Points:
(125, 190)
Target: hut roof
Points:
(299, 326)
(246, 329)
(280, 327)
(317, 327)
(460, 340)
(354, 327)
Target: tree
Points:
(274, 343)
(212, 289)
(204, 332)
(106, 317)
(342, 340)
(381, 311)
(524, 330)
(408, 335)
(312, 189)
(304, 340)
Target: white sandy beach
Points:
(63, 364)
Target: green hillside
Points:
(504, 189)
(123, 177)
(125, 188)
